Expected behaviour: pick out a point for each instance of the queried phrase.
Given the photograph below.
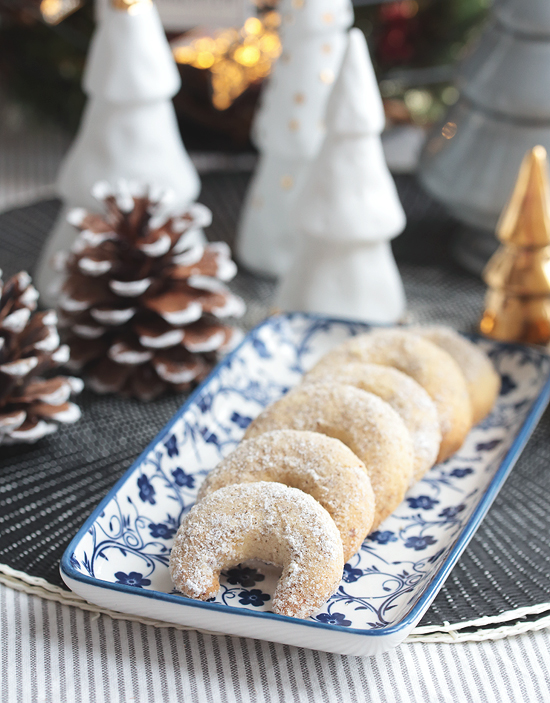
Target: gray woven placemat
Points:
(47, 490)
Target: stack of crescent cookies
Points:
(322, 467)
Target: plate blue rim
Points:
(420, 607)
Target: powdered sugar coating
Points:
(406, 397)
(481, 378)
(321, 466)
(267, 521)
(431, 367)
(366, 424)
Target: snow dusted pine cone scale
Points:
(31, 406)
(144, 298)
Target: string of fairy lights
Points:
(235, 58)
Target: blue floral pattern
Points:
(146, 490)
(487, 446)
(128, 542)
(461, 472)
(134, 578)
(350, 574)
(383, 536)
(171, 445)
(241, 421)
(244, 576)
(182, 479)
(161, 530)
(507, 385)
(254, 597)
(334, 619)
(422, 502)
(452, 511)
(419, 543)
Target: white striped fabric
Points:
(52, 653)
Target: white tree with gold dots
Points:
(348, 210)
(289, 126)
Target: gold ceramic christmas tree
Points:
(517, 306)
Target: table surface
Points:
(53, 653)
(76, 655)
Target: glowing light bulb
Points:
(205, 59)
(247, 55)
(253, 26)
(53, 11)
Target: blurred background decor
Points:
(236, 59)
(413, 44)
(471, 159)
(50, 11)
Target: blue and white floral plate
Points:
(119, 558)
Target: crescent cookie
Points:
(267, 521)
(319, 465)
(431, 367)
(481, 378)
(366, 424)
(406, 397)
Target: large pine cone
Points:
(143, 297)
(31, 406)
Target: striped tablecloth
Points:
(53, 653)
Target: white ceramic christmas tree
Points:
(289, 127)
(349, 209)
(129, 129)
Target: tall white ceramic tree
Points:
(289, 127)
(349, 209)
(129, 129)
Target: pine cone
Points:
(143, 297)
(30, 406)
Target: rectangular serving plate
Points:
(119, 558)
